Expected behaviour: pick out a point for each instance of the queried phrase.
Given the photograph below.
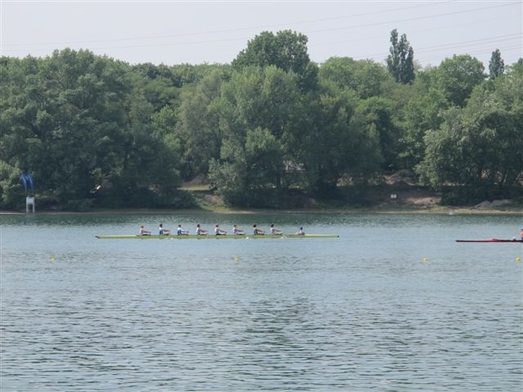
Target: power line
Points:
(265, 27)
(408, 19)
(465, 44)
(424, 5)
(366, 38)
(472, 47)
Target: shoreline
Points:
(407, 210)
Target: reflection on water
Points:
(393, 304)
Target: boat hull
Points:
(213, 237)
(494, 240)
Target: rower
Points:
(200, 231)
(300, 231)
(181, 231)
(256, 230)
(275, 231)
(237, 231)
(143, 231)
(163, 231)
(218, 231)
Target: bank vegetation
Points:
(270, 130)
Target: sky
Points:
(215, 32)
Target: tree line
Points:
(94, 129)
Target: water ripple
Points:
(295, 316)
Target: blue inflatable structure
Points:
(27, 182)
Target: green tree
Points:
(76, 120)
(365, 77)
(149, 160)
(400, 61)
(62, 108)
(457, 77)
(198, 126)
(259, 111)
(335, 142)
(246, 172)
(376, 117)
(160, 86)
(421, 113)
(286, 50)
(496, 65)
(480, 147)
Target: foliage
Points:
(336, 142)
(400, 61)
(286, 50)
(259, 108)
(76, 120)
(96, 132)
(421, 114)
(457, 77)
(11, 191)
(198, 126)
(496, 65)
(480, 146)
(365, 77)
(377, 116)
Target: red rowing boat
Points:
(493, 240)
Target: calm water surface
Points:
(394, 304)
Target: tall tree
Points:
(199, 124)
(400, 62)
(496, 65)
(376, 117)
(456, 78)
(70, 109)
(336, 141)
(259, 113)
(480, 146)
(421, 115)
(77, 119)
(286, 50)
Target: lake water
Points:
(394, 304)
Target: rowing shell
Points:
(217, 237)
(493, 240)
(209, 237)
